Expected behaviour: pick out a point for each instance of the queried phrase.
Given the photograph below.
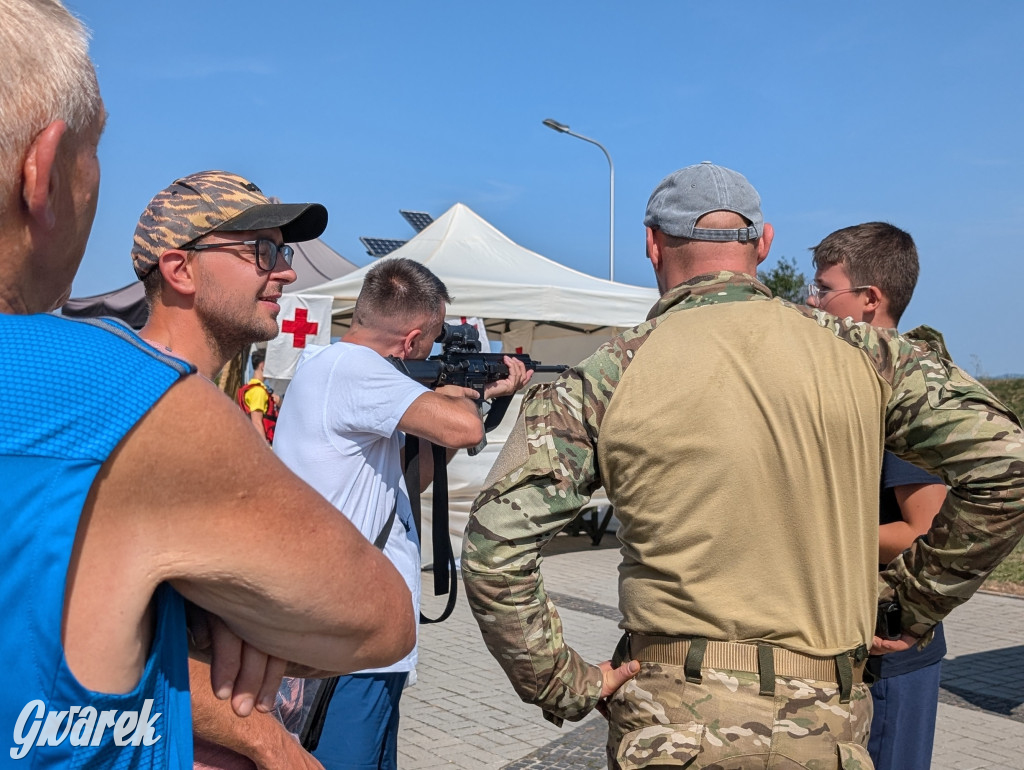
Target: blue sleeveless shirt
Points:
(50, 452)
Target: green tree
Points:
(784, 280)
(1009, 390)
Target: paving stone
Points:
(463, 713)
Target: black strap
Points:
(622, 653)
(695, 659)
(496, 413)
(382, 536)
(446, 578)
(312, 728)
(445, 575)
(766, 668)
(412, 480)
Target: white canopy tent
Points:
(516, 291)
(529, 303)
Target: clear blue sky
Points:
(906, 112)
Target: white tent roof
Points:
(492, 277)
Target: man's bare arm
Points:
(447, 416)
(260, 737)
(919, 504)
(194, 497)
(257, 420)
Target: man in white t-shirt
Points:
(340, 430)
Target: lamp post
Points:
(564, 129)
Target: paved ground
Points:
(462, 713)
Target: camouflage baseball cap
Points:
(209, 201)
(686, 195)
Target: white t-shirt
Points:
(338, 431)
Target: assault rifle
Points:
(461, 363)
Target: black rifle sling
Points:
(309, 737)
(496, 413)
(382, 536)
(445, 575)
(446, 578)
(312, 728)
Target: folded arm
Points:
(194, 497)
(261, 737)
(943, 420)
(919, 504)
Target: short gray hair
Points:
(47, 76)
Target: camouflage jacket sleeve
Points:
(943, 420)
(544, 475)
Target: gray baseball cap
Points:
(686, 195)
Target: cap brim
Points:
(298, 221)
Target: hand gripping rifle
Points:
(461, 363)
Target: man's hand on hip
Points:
(613, 679)
(881, 646)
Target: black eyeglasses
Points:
(267, 252)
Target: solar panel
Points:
(378, 247)
(418, 219)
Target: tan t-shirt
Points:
(726, 423)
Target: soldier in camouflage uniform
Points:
(747, 495)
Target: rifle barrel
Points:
(552, 368)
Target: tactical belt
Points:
(769, 661)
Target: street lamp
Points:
(564, 129)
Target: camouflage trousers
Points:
(658, 719)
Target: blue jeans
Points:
(903, 727)
(361, 728)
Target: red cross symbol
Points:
(301, 328)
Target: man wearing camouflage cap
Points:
(747, 495)
(212, 252)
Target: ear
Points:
(39, 174)
(872, 299)
(764, 243)
(178, 271)
(409, 342)
(654, 247)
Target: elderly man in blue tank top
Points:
(112, 518)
